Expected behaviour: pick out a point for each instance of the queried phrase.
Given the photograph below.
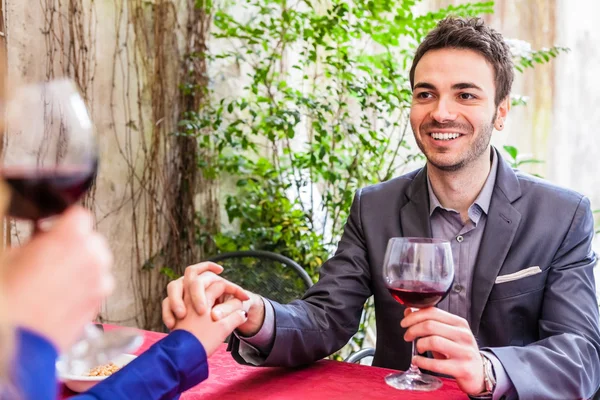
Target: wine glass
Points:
(50, 162)
(418, 273)
(51, 157)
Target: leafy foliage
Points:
(323, 113)
(538, 57)
(516, 160)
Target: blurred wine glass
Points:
(56, 159)
(51, 166)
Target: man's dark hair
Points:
(471, 34)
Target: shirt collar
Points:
(484, 198)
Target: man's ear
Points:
(502, 113)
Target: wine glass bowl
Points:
(51, 153)
(418, 273)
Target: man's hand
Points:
(193, 284)
(196, 279)
(209, 332)
(452, 343)
(255, 307)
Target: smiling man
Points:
(521, 320)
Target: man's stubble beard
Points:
(475, 151)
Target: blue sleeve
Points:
(174, 364)
(34, 367)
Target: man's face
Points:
(453, 111)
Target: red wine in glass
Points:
(42, 193)
(417, 294)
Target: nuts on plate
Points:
(104, 370)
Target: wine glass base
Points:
(413, 381)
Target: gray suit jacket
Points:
(543, 328)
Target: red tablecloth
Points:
(323, 380)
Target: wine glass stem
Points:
(413, 368)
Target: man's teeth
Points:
(445, 136)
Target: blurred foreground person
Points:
(54, 285)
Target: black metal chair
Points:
(265, 273)
(357, 356)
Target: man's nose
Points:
(443, 112)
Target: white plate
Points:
(81, 383)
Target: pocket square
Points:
(524, 273)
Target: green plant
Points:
(517, 160)
(322, 110)
(345, 96)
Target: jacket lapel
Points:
(414, 215)
(500, 228)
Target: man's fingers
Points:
(432, 313)
(446, 367)
(223, 310)
(221, 291)
(175, 297)
(442, 345)
(433, 327)
(167, 314)
(231, 290)
(464, 372)
(233, 320)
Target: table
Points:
(323, 380)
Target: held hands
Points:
(211, 333)
(452, 344)
(68, 269)
(203, 296)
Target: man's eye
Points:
(466, 96)
(423, 95)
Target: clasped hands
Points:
(450, 340)
(208, 306)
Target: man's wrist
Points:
(262, 341)
(254, 327)
(489, 379)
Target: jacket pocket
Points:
(516, 285)
(524, 273)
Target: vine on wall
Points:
(158, 75)
(70, 37)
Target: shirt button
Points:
(458, 288)
(459, 238)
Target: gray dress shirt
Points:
(464, 238)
